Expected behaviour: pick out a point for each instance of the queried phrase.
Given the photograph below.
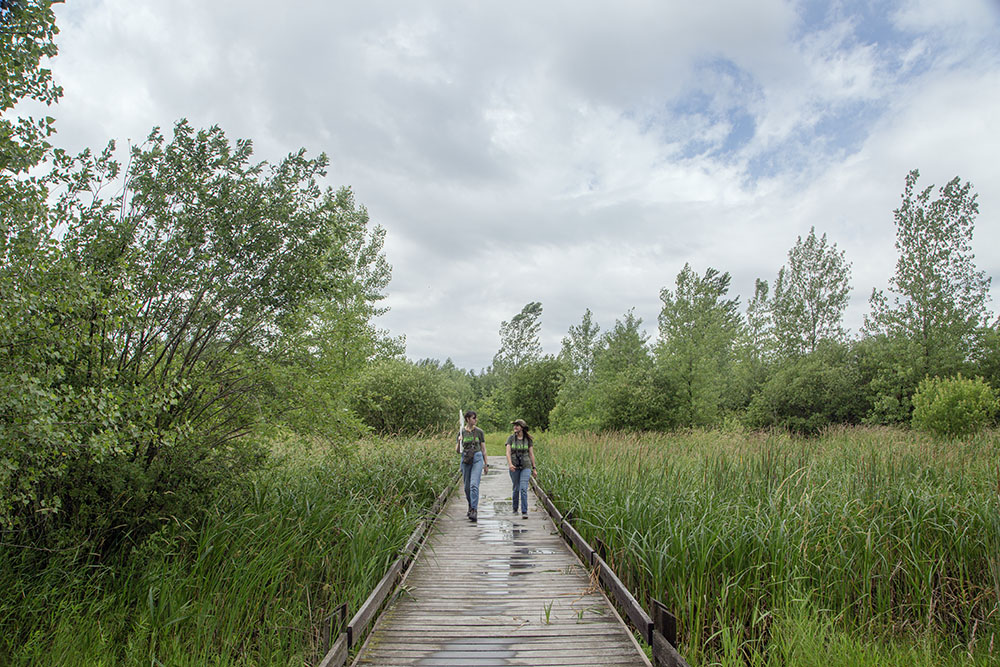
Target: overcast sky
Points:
(573, 153)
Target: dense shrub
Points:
(398, 397)
(953, 407)
(810, 392)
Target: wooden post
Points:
(601, 548)
(665, 622)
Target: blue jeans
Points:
(471, 472)
(520, 480)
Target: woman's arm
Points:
(510, 464)
(531, 455)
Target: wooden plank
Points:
(550, 507)
(337, 655)
(664, 654)
(411, 544)
(582, 548)
(505, 590)
(636, 614)
(358, 624)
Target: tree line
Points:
(785, 360)
(165, 307)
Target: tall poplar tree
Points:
(698, 329)
(938, 298)
(519, 342)
(810, 295)
(935, 315)
(579, 346)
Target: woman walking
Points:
(521, 461)
(471, 445)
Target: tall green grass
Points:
(252, 581)
(874, 540)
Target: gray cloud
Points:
(576, 154)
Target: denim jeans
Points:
(520, 480)
(471, 472)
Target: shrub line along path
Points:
(503, 591)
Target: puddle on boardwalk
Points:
(484, 651)
(500, 530)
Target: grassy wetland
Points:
(252, 581)
(862, 546)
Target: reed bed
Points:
(777, 550)
(253, 581)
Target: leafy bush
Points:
(953, 407)
(398, 397)
(810, 392)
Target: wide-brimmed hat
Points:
(520, 422)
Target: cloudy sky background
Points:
(573, 153)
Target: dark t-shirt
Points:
(472, 439)
(519, 452)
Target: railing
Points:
(357, 627)
(660, 631)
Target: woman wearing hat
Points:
(521, 461)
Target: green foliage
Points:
(809, 393)
(144, 343)
(27, 32)
(393, 396)
(754, 352)
(986, 356)
(251, 580)
(698, 331)
(810, 295)
(519, 342)
(940, 298)
(532, 391)
(881, 532)
(954, 407)
(580, 346)
(889, 377)
(625, 390)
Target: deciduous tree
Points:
(519, 341)
(937, 307)
(810, 295)
(698, 328)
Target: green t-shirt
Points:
(472, 439)
(519, 452)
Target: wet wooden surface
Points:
(502, 591)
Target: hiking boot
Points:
(473, 515)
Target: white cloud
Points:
(576, 154)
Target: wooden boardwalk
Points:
(503, 591)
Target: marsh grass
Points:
(881, 542)
(252, 581)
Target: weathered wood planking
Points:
(503, 591)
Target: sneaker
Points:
(473, 515)
(524, 515)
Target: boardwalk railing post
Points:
(600, 548)
(665, 622)
(335, 656)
